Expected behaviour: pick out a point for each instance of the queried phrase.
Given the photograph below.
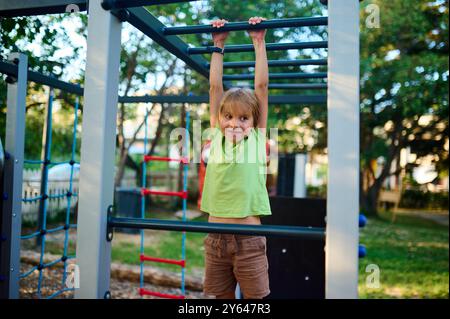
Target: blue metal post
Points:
(144, 185)
(185, 184)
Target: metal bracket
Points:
(109, 230)
(122, 14)
(107, 4)
(10, 79)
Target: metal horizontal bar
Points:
(194, 99)
(289, 86)
(201, 227)
(11, 69)
(8, 68)
(318, 75)
(19, 8)
(274, 99)
(274, 63)
(55, 83)
(242, 26)
(297, 99)
(269, 47)
(301, 86)
(144, 21)
(119, 4)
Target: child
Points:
(235, 191)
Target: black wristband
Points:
(218, 50)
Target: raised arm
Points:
(216, 72)
(261, 72)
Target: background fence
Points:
(31, 187)
(59, 185)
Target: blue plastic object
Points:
(362, 220)
(362, 251)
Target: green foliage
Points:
(404, 71)
(404, 75)
(424, 199)
(316, 191)
(141, 60)
(191, 14)
(42, 39)
(412, 256)
(165, 245)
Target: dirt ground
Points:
(52, 282)
(52, 276)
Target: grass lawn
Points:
(412, 256)
(168, 245)
(163, 244)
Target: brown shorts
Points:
(231, 259)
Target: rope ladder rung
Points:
(181, 263)
(146, 191)
(148, 158)
(146, 292)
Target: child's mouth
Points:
(235, 137)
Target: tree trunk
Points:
(370, 199)
(121, 169)
(123, 151)
(126, 158)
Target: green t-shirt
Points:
(235, 181)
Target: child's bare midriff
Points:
(249, 220)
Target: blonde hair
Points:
(241, 96)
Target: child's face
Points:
(235, 122)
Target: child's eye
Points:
(244, 118)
